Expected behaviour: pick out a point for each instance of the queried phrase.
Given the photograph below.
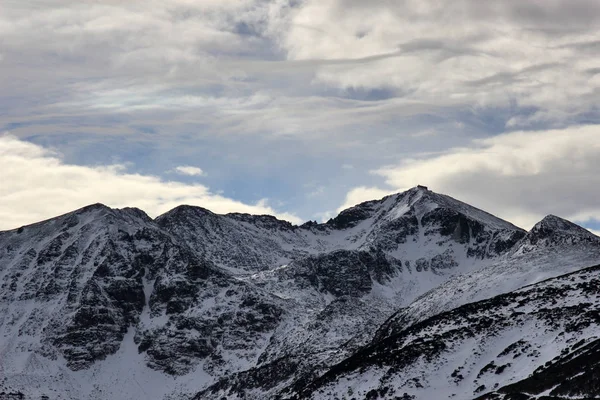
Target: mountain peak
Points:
(136, 212)
(95, 206)
(183, 211)
(418, 201)
(553, 231)
(70, 216)
(551, 225)
(89, 209)
(413, 194)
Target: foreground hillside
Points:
(538, 340)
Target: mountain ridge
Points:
(417, 189)
(199, 302)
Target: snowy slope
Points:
(395, 249)
(535, 332)
(361, 266)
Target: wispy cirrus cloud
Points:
(181, 55)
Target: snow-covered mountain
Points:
(79, 289)
(103, 303)
(363, 265)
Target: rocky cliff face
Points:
(73, 287)
(103, 303)
(74, 283)
(553, 246)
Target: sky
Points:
(299, 108)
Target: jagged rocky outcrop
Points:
(105, 303)
(554, 246)
(239, 242)
(554, 231)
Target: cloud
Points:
(189, 170)
(37, 184)
(317, 82)
(519, 176)
(480, 54)
(245, 59)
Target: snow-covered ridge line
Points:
(419, 191)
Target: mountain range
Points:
(413, 296)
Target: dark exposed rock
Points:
(342, 272)
(573, 374)
(351, 217)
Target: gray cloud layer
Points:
(245, 55)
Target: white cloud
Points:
(189, 170)
(37, 184)
(519, 176)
